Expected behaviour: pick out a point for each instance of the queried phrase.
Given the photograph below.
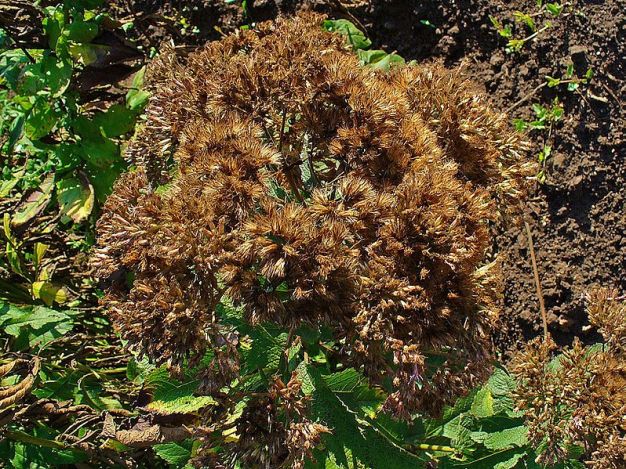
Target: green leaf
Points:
(552, 82)
(266, 350)
(483, 403)
(353, 441)
(175, 454)
(40, 120)
(103, 179)
(171, 396)
(379, 59)
(116, 121)
(76, 198)
(92, 393)
(57, 73)
(53, 25)
(136, 98)
(41, 324)
(505, 439)
(554, 8)
(81, 31)
(356, 37)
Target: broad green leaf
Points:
(103, 179)
(57, 73)
(356, 37)
(40, 324)
(88, 54)
(175, 453)
(53, 25)
(171, 396)
(116, 121)
(483, 403)
(76, 198)
(101, 153)
(353, 441)
(81, 31)
(379, 59)
(504, 439)
(92, 393)
(266, 350)
(40, 120)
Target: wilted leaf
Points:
(76, 198)
(35, 203)
(49, 293)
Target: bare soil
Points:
(578, 215)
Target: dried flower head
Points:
(579, 396)
(276, 171)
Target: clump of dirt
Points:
(577, 216)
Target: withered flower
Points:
(578, 398)
(276, 171)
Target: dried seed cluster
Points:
(581, 398)
(277, 171)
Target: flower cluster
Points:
(276, 171)
(578, 398)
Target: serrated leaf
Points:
(483, 403)
(353, 442)
(175, 454)
(355, 36)
(171, 396)
(41, 324)
(504, 439)
(268, 345)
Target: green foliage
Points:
(33, 327)
(50, 130)
(170, 396)
(546, 117)
(378, 59)
(524, 27)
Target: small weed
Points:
(573, 82)
(529, 21)
(545, 119)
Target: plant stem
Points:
(542, 306)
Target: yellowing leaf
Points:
(76, 198)
(34, 204)
(49, 293)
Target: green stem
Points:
(34, 440)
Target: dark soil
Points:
(578, 215)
